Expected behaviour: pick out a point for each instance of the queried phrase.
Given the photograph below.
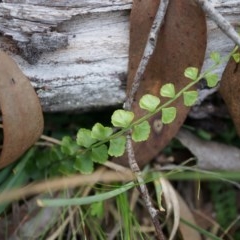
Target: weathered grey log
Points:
(76, 52)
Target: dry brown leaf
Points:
(176, 205)
(185, 213)
(230, 89)
(21, 111)
(172, 204)
(211, 155)
(181, 43)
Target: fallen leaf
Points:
(175, 205)
(181, 44)
(21, 111)
(211, 155)
(230, 89)
(186, 214)
(172, 204)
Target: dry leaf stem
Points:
(154, 213)
(221, 22)
(64, 183)
(148, 51)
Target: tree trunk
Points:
(76, 52)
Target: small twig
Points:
(221, 22)
(148, 51)
(143, 189)
(116, 167)
(44, 144)
(50, 139)
(63, 183)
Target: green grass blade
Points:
(17, 177)
(17, 173)
(5, 172)
(125, 216)
(187, 173)
(85, 200)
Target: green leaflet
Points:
(190, 98)
(84, 163)
(215, 56)
(141, 132)
(68, 146)
(84, 138)
(168, 90)
(149, 102)
(191, 73)
(99, 154)
(100, 132)
(122, 118)
(117, 146)
(168, 115)
(212, 79)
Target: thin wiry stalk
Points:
(222, 23)
(148, 51)
(154, 213)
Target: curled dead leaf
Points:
(186, 214)
(176, 206)
(21, 111)
(181, 44)
(172, 204)
(230, 89)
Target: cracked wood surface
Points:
(76, 52)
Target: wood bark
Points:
(76, 52)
